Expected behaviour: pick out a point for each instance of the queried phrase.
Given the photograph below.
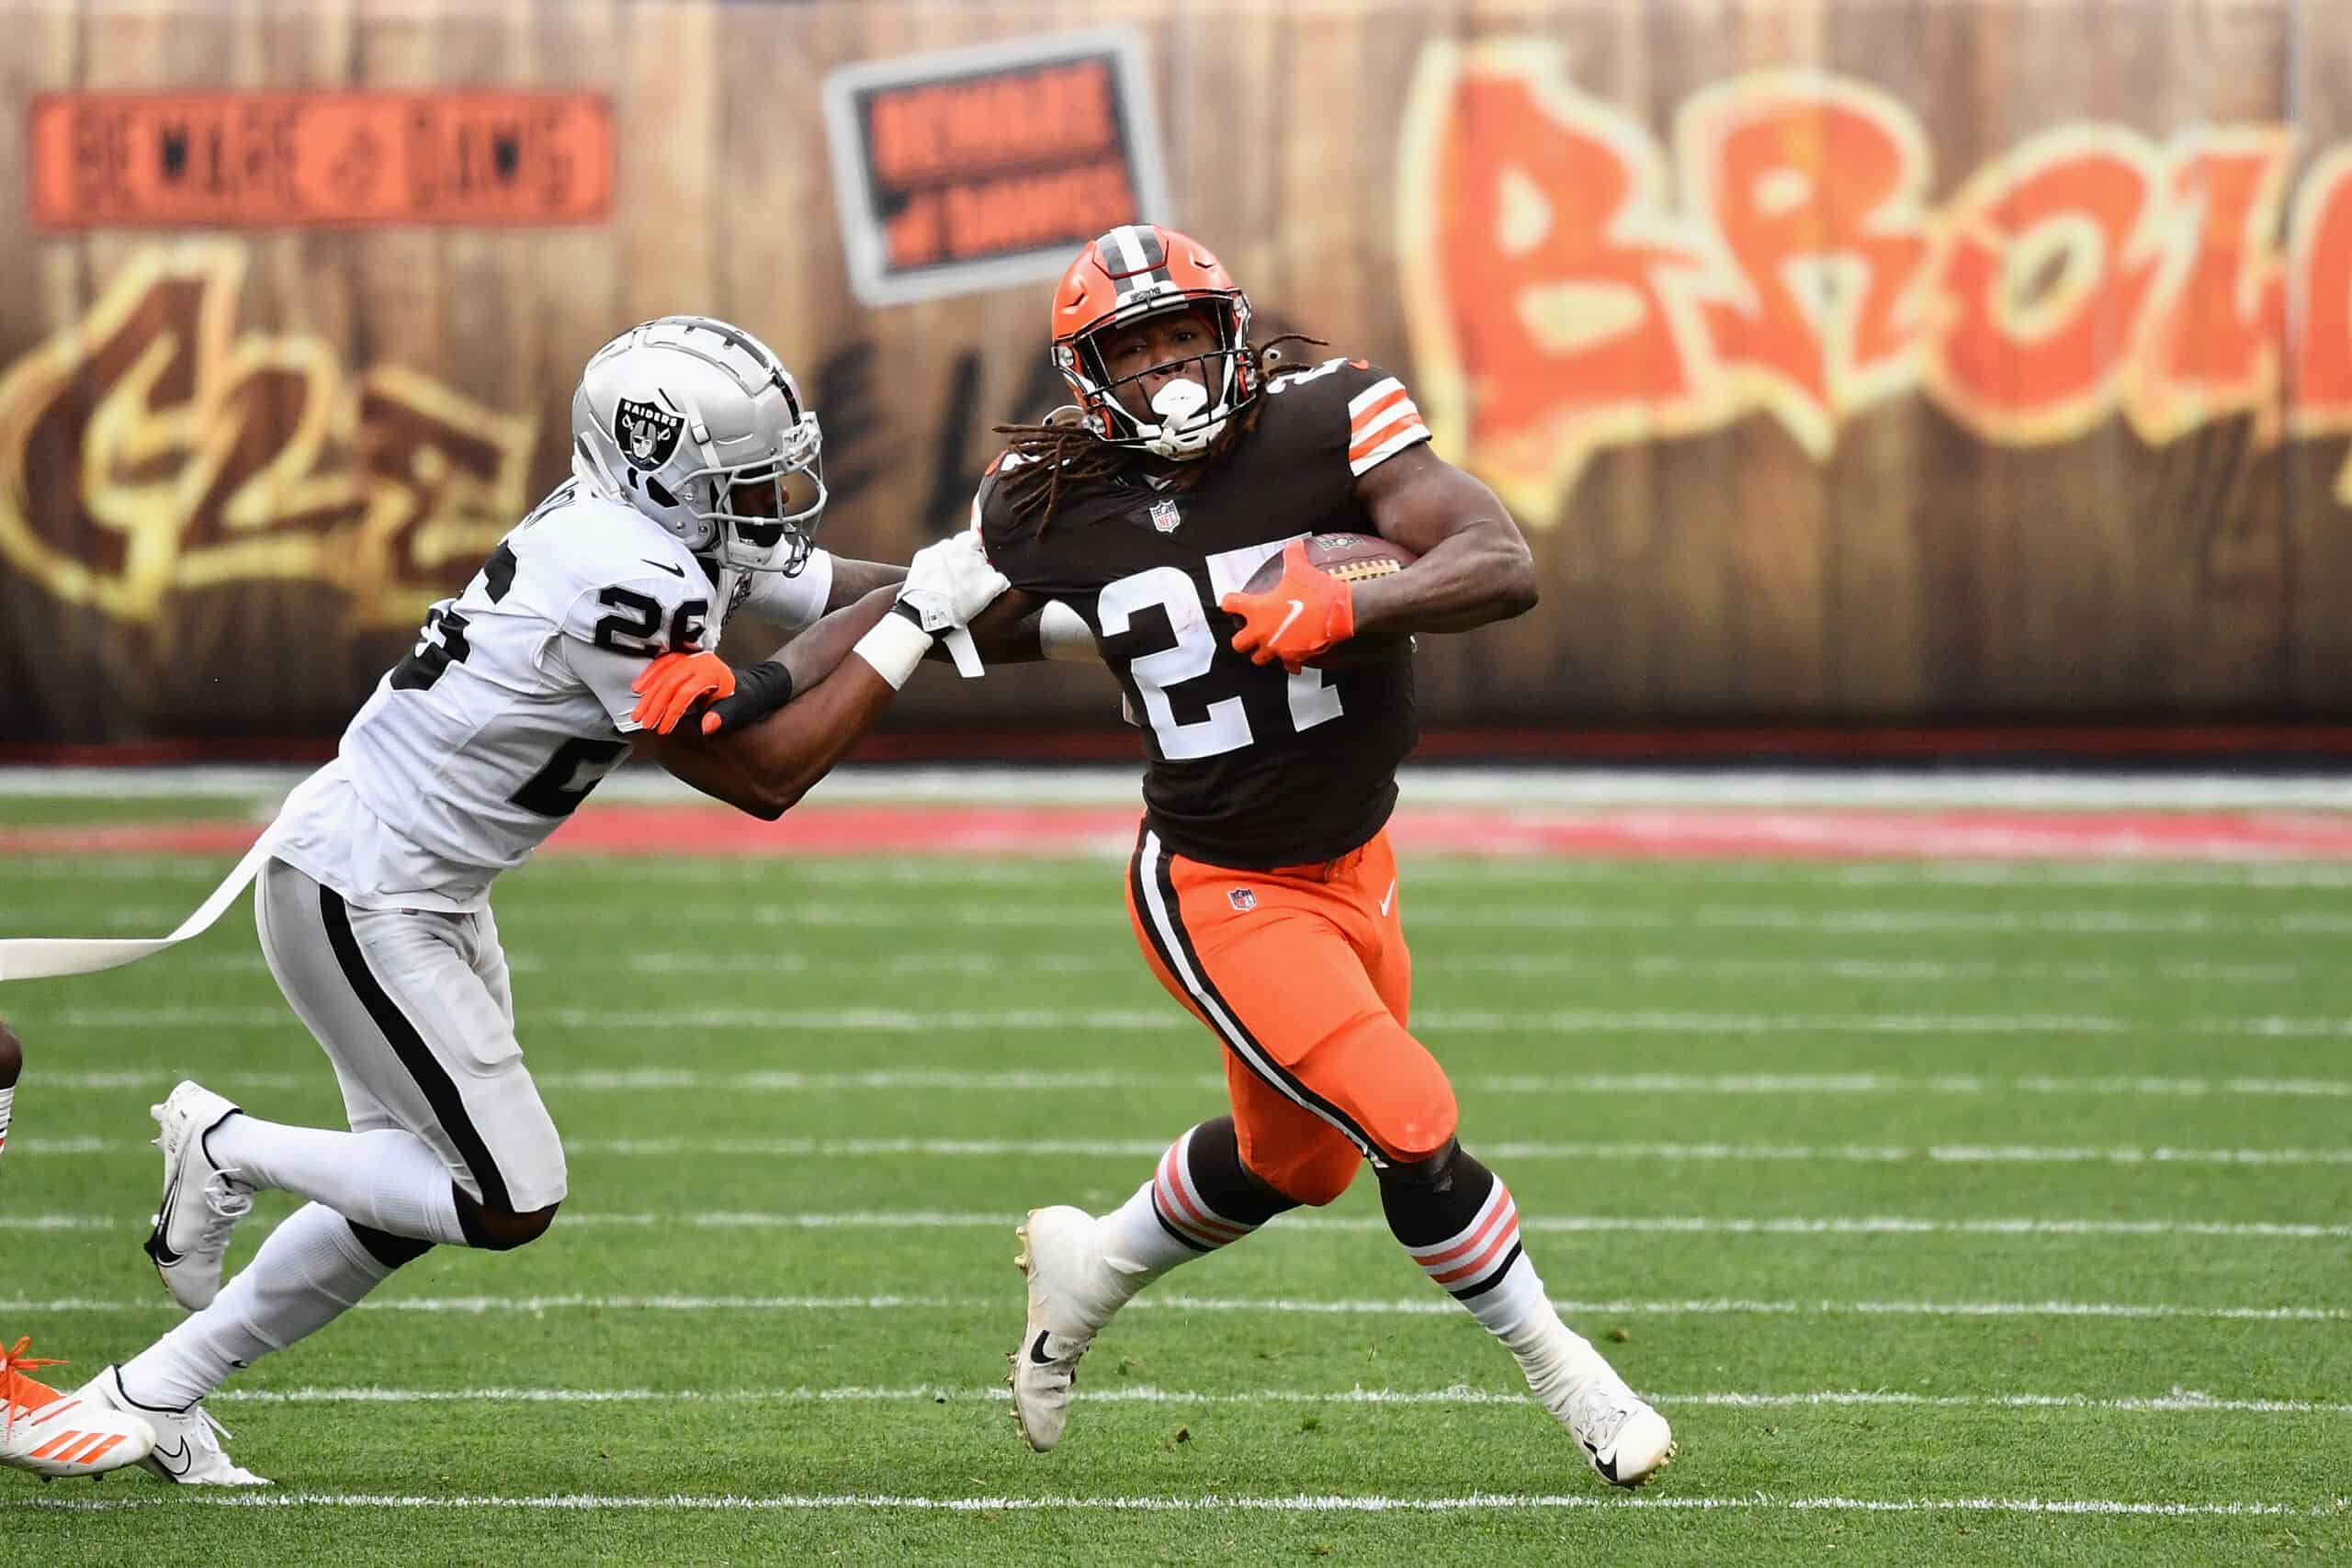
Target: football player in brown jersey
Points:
(1263, 889)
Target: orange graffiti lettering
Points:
(2051, 257)
(1555, 277)
(1560, 300)
(2213, 344)
(1815, 189)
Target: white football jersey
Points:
(513, 704)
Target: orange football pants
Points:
(1303, 976)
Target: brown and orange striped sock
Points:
(1202, 1198)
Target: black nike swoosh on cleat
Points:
(178, 1460)
(665, 565)
(1608, 1466)
(1038, 1352)
(158, 1247)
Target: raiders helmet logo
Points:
(1165, 516)
(646, 435)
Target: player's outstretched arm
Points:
(854, 580)
(1474, 566)
(761, 750)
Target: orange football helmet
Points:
(1138, 270)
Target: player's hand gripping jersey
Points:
(514, 703)
(1250, 767)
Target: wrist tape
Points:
(894, 647)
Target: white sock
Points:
(1484, 1267)
(1165, 1224)
(310, 1271)
(388, 1180)
(7, 1101)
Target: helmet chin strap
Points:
(699, 433)
(722, 601)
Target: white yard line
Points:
(523, 915)
(986, 965)
(1162, 1019)
(1346, 1502)
(1635, 1224)
(896, 1080)
(1122, 1020)
(2184, 1404)
(1128, 1148)
(1488, 875)
(1173, 1302)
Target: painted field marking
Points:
(1637, 1225)
(1132, 1148)
(896, 1080)
(1169, 1020)
(2187, 1404)
(1540, 915)
(1413, 1307)
(1345, 1502)
(1437, 869)
(985, 965)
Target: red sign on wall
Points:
(320, 159)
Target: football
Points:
(1353, 558)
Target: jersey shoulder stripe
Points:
(1382, 419)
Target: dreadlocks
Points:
(1064, 453)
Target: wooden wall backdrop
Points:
(1722, 549)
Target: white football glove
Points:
(951, 582)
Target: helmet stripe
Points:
(1131, 254)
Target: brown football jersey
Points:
(1249, 766)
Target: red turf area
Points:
(1705, 832)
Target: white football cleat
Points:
(187, 1442)
(1625, 1441)
(201, 1205)
(53, 1434)
(1072, 1293)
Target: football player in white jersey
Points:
(694, 493)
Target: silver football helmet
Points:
(698, 425)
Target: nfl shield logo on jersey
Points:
(646, 434)
(1164, 516)
(1243, 900)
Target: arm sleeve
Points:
(792, 604)
(1063, 635)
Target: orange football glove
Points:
(1305, 615)
(672, 685)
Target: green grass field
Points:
(1953, 1215)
